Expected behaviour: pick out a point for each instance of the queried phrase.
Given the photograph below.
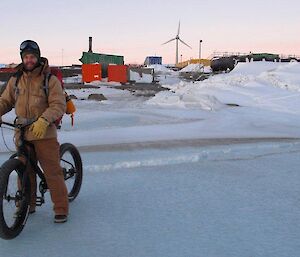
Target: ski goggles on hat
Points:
(29, 44)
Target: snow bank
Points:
(284, 76)
(255, 68)
(194, 67)
(186, 95)
(256, 84)
(160, 69)
(145, 78)
(281, 75)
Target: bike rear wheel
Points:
(71, 164)
(14, 198)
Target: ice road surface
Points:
(219, 201)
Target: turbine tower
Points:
(177, 38)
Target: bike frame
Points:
(22, 151)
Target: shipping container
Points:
(117, 73)
(152, 60)
(88, 58)
(91, 72)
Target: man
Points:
(31, 102)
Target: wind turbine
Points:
(177, 38)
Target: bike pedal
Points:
(40, 201)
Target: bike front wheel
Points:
(14, 198)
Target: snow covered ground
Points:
(161, 180)
(74, 79)
(267, 95)
(140, 78)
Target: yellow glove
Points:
(39, 128)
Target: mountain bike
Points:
(15, 184)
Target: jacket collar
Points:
(42, 69)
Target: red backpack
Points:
(58, 73)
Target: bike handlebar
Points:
(18, 126)
(8, 124)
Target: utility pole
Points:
(62, 57)
(200, 44)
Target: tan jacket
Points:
(32, 101)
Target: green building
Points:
(88, 57)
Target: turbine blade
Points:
(168, 41)
(178, 29)
(184, 43)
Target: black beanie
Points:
(30, 47)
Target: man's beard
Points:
(32, 67)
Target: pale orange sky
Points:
(136, 29)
